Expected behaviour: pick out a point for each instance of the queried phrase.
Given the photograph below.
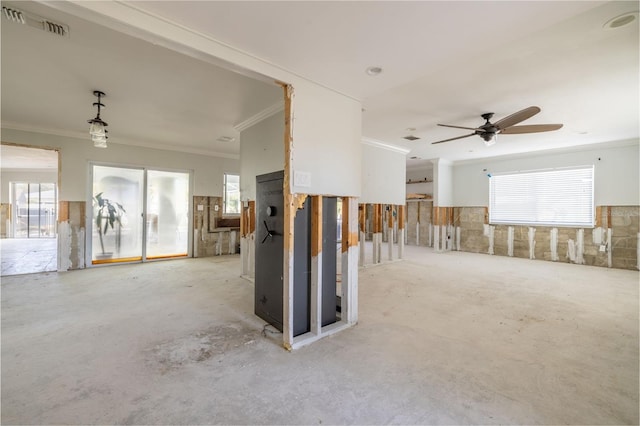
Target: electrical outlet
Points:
(603, 248)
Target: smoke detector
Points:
(18, 16)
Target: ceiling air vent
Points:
(411, 138)
(15, 15)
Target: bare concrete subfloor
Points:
(452, 338)
(28, 255)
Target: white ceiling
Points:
(443, 62)
(154, 96)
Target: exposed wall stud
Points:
(401, 231)
(316, 265)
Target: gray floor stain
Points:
(200, 346)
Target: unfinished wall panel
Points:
(5, 220)
(213, 235)
(71, 235)
(588, 245)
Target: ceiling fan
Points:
(507, 126)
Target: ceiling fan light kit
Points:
(506, 126)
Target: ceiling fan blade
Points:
(517, 117)
(534, 128)
(453, 139)
(460, 127)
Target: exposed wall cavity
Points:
(213, 234)
(613, 242)
(71, 235)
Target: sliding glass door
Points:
(118, 195)
(167, 214)
(138, 214)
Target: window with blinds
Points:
(559, 197)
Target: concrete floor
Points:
(28, 255)
(453, 338)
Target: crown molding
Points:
(545, 152)
(262, 115)
(384, 145)
(120, 141)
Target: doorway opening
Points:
(29, 210)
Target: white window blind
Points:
(561, 197)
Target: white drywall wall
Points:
(383, 174)
(442, 183)
(30, 176)
(420, 174)
(75, 155)
(326, 126)
(261, 151)
(326, 142)
(616, 173)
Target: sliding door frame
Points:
(89, 212)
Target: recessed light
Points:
(414, 158)
(411, 138)
(621, 21)
(373, 70)
(226, 139)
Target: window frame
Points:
(225, 196)
(546, 195)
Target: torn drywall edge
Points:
(597, 236)
(532, 242)
(81, 241)
(580, 247)
(609, 248)
(491, 234)
(638, 252)
(554, 244)
(64, 246)
(458, 238)
(510, 234)
(571, 250)
(362, 247)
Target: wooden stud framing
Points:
(290, 208)
(598, 223)
(63, 211)
(400, 219)
(609, 217)
(350, 260)
(316, 265)
(293, 202)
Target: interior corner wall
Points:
(75, 155)
(31, 176)
(261, 151)
(383, 175)
(326, 148)
(617, 177)
(442, 183)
